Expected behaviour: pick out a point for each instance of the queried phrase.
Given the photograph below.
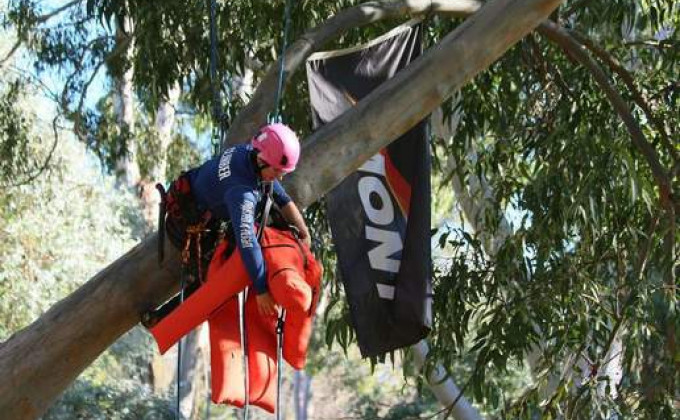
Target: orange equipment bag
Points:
(293, 278)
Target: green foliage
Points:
(116, 386)
(123, 401)
(14, 134)
(52, 232)
(588, 252)
(170, 45)
(110, 142)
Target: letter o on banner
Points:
(382, 216)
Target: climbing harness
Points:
(194, 233)
(189, 236)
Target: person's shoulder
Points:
(241, 152)
(240, 165)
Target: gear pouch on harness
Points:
(190, 230)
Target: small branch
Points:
(77, 123)
(561, 37)
(617, 327)
(660, 45)
(11, 52)
(37, 20)
(70, 24)
(36, 81)
(78, 69)
(55, 12)
(567, 368)
(573, 8)
(628, 80)
(647, 249)
(47, 161)
(671, 251)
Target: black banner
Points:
(379, 215)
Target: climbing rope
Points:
(242, 298)
(217, 139)
(179, 354)
(275, 117)
(279, 359)
(219, 116)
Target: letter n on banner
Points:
(379, 215)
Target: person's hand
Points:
(305, 238)
(266, 305)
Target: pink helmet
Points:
(279, 146)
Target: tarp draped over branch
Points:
(39, 362)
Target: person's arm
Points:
(294, 217)
(290, 212)
(241, 204)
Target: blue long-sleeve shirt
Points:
(229, 187)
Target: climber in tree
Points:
(229, 188)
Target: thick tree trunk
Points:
(163, 125)
(301, 394)
(190, 379)
(39, 362)
(127, 167)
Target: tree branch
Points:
(651, 43)
(39, 19)
(561, 37)
(627, 78)
(77, 123)
(11, 52)
(47, 161)
(410, 102)
(44, 18)
(253, 115)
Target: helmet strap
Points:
(258, 164)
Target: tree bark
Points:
(127, 167)
(442, 386)
(163, 125)
(191, 384)
(301, 394)
(40, 361)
